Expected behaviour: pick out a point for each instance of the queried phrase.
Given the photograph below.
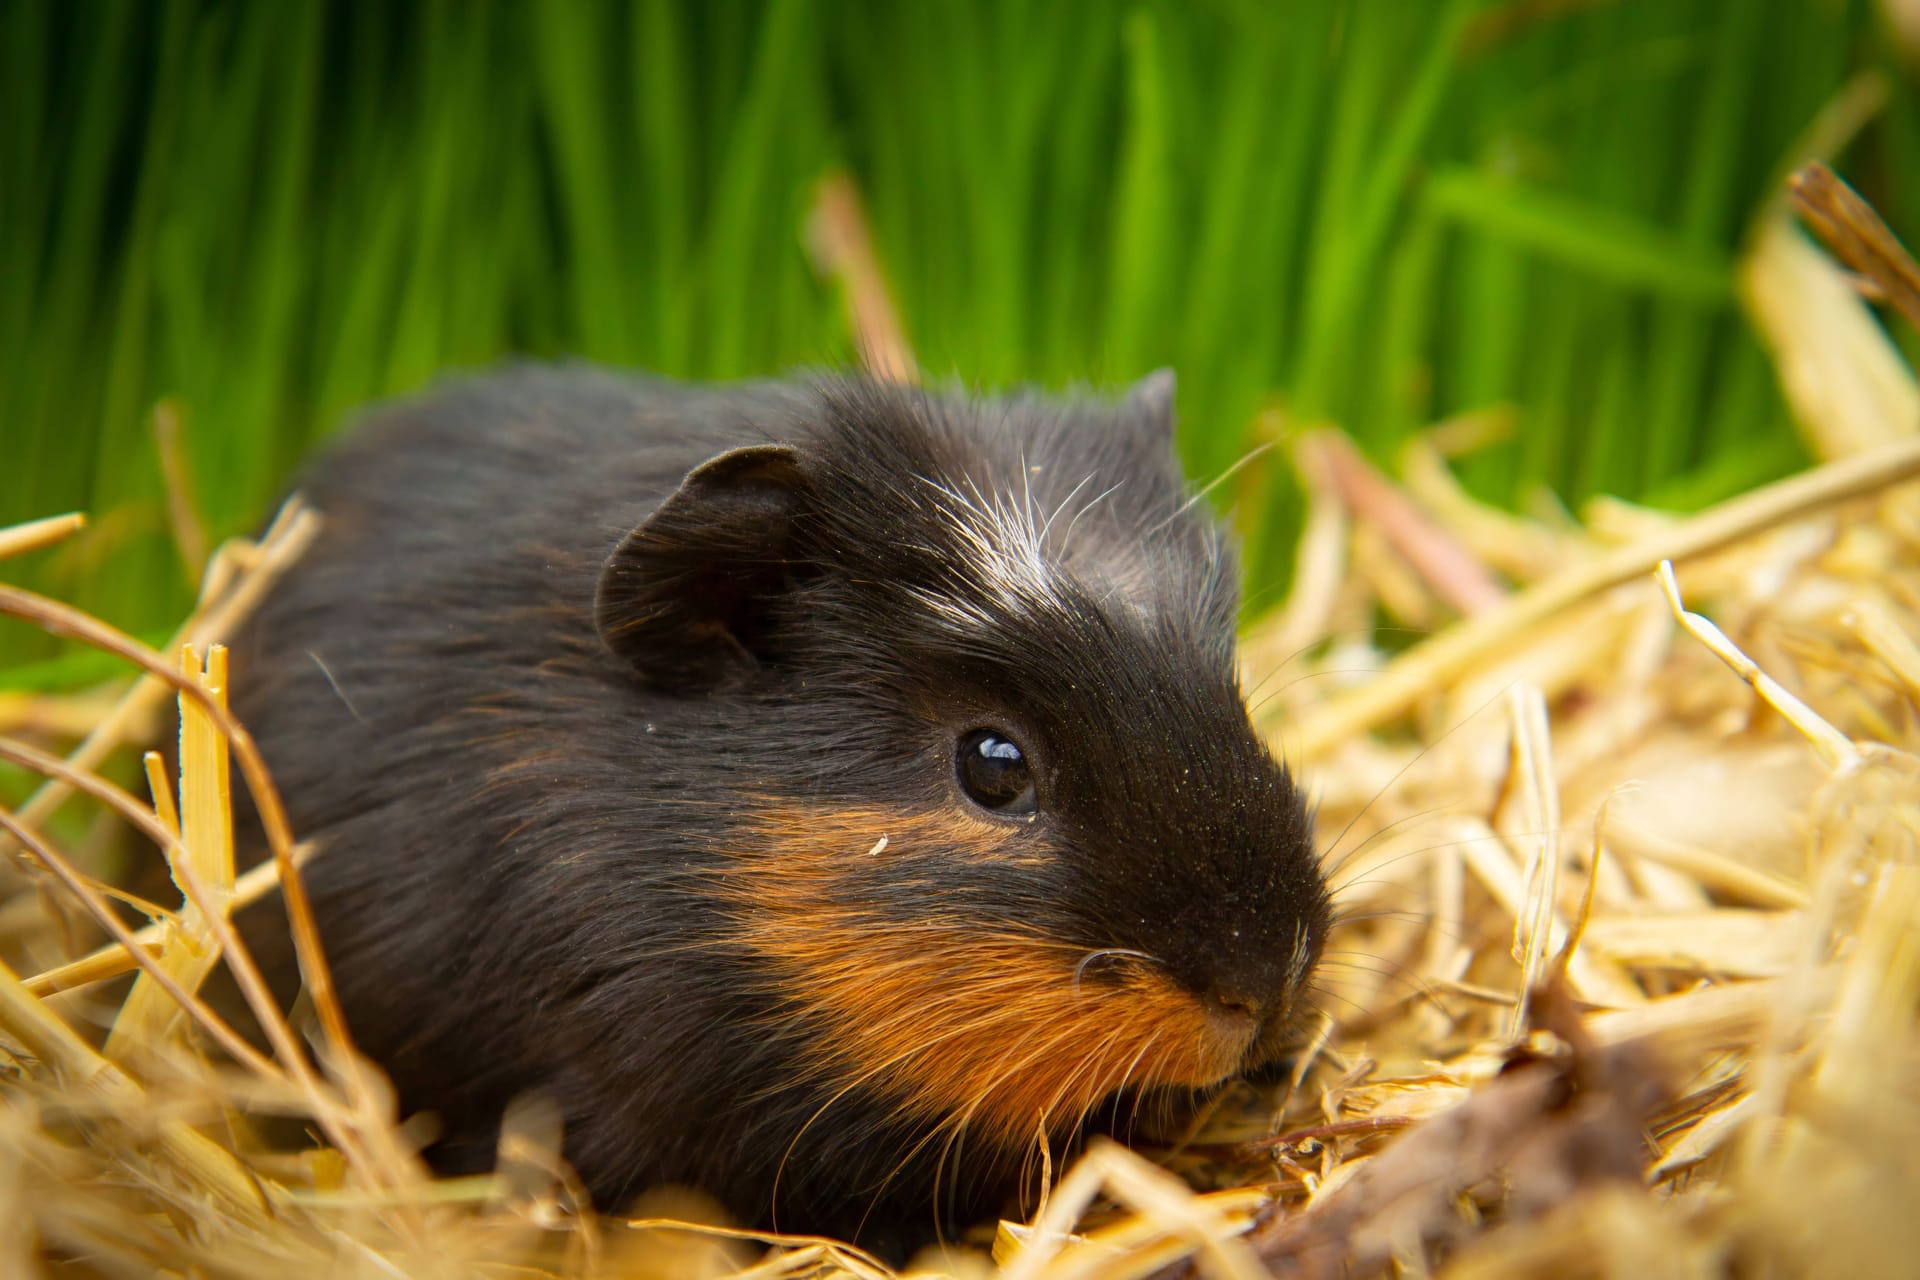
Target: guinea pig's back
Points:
(468, 476)
(463, 533)
(438, 633)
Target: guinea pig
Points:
(821, 791)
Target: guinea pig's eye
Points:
(994, 772)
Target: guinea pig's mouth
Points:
(993, 1030)
(1232, 1032)
(1241, 1041)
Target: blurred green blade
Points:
(1584, 236)
(1372, 214)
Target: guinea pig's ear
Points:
(1150, 400)
(684, 596)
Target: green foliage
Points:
(1363, 211)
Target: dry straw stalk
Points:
(1626, 981)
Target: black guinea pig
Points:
(818, 790)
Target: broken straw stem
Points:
(1834, 747)
(1353, 711)
(36, 534)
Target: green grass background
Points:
(1370, 212)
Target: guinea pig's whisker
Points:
(955, 1127)
(1028, 1054)
(1250, 693)
(1106, 953)
(1255, 707)
(1041, 1051)
(1317, 990)
(1199, 494)
(1305, 649)
(332, 683)
(1331, 637)
(1066, 538)
(1417, 757)
(1087, 1068)
(1388, 970)
(1333, 959)
(1408, 915)
(1412, 987)
(906, 1114)
(1492, 837)
(1009, 1065)
(876, 1070)
(1126, 1077)
(1061, 505)
(1377, 883)
(1078, 1118)
(1145, 1053)
(1347, 887)
(1333, 861)
(1285, 663)
(899, 1167)
(1418, 919)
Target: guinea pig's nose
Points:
(1236, 1008)
(1235, 1003)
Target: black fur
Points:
(547, 659)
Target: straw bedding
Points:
(1626, 982)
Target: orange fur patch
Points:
(985, 1028)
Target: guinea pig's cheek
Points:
(923, 1002)
(1210, 1044)
(845, 842)
(986, 1032)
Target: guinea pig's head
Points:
(1006, 841)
